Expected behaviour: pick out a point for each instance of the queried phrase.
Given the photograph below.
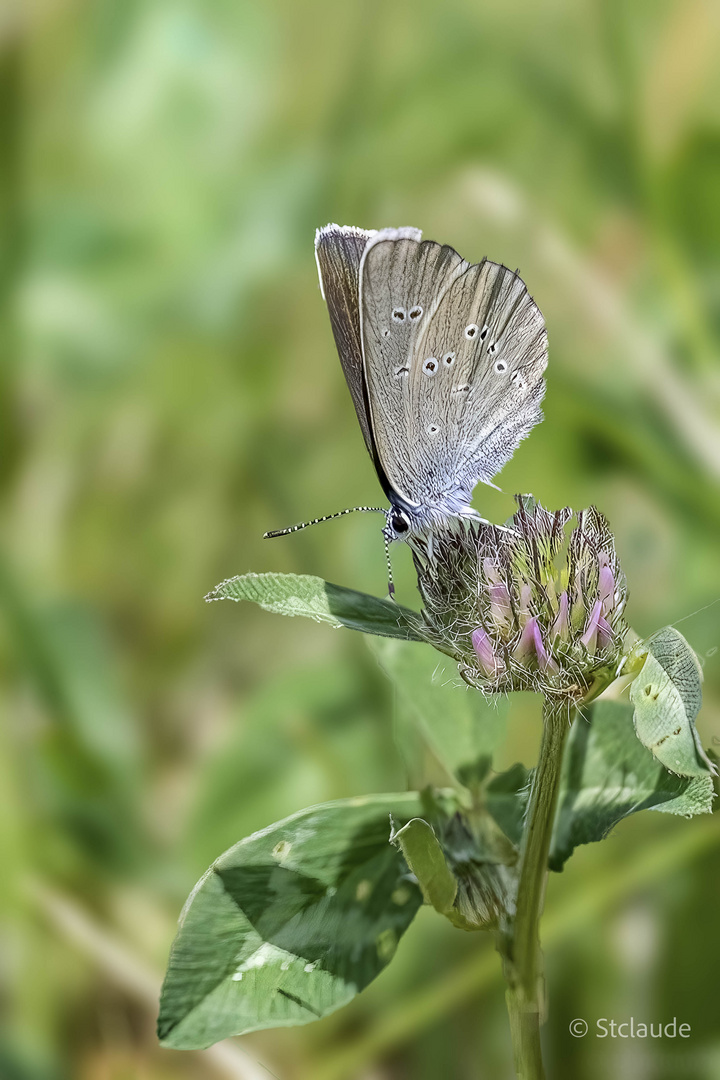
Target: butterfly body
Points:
(444, 361)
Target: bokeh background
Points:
(170, 390)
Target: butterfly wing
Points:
(402, 281)
(338, 253)
(452, 396)
(490, 340)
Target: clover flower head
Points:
(533, 605)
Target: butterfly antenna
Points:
(326, 517)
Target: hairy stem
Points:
(519, 942)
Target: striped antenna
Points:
(327, 517)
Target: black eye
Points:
(399, 521)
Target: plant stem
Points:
(519, 942)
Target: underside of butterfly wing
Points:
(402, 280)
(444, 361)
(338, 253)
(454, 356)
(491, 345)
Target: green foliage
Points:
(608, 774)
(311, 734)
(464, 867)
(505, 796)
(438, 711)
(295, 594)
(291, 923)
(667, 694)
(249, 953)
(426, 858)
(461, 855)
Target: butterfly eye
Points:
(399, 314)
(432, 429)
(416, 312)
(430, 366)
(448, 359)
(500, 365)
(471, 331)
(399, 521)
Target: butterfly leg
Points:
(391, 584)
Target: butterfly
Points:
(444, 360)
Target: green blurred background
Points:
(170, 389)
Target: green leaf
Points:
(483, 862)
(667, 694)
(425, 857)
(298, 594)
(459, 725)
(506, 796)
(290, 923)
(608, 774)
(294, 740)
(464, 865)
